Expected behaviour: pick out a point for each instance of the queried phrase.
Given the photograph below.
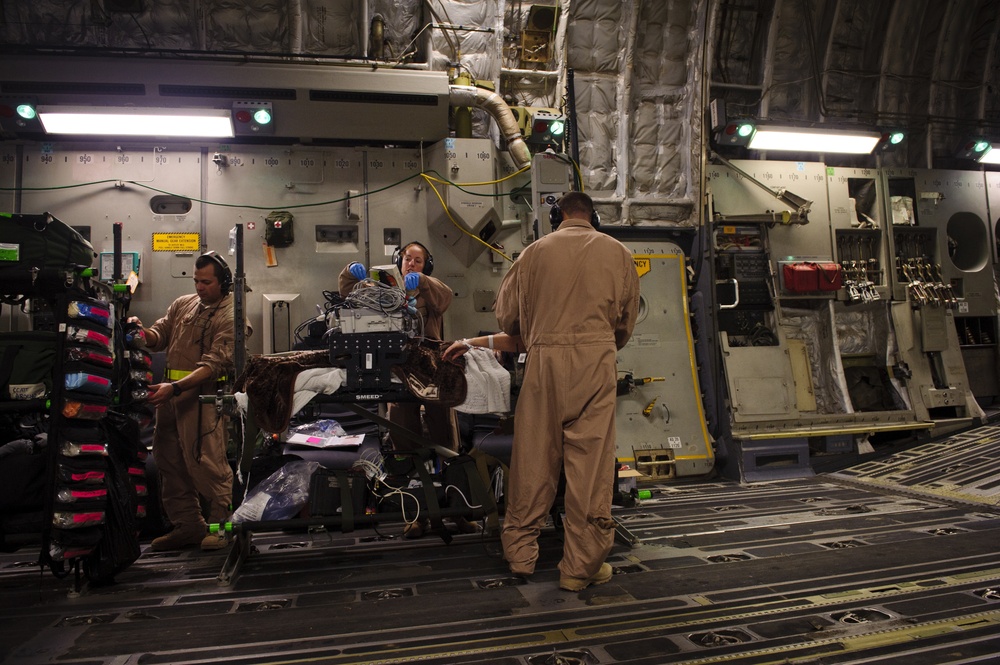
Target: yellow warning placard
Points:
(642, 266)
(176, 242)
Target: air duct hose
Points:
(492, 103)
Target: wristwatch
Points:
(177, 389)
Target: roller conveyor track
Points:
(885, 562)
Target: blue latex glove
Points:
(412, 281)
(411, 306)
(358, 270)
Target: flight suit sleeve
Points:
(507, 305)
(630, 306)
(346, 281)
(434, 294)
(164, 329)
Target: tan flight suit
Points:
(433, 299)
(573, 297)
(191, 455)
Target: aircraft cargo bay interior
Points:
(488, 331)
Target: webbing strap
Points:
(346, 502)
(481, 481)
(430, 495)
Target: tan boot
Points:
(183, 535)
(602, 575)
(216, 541)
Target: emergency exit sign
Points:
(642, 266)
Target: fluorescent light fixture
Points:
(111, 121)
(813, 140)
(991, 156)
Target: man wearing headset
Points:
(189, 442)
(433, 297)
(572, 298)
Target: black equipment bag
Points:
(333, 492)
(42, 241)
(26, 363)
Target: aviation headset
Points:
(556, 217)
(397, 257)
(226, 281)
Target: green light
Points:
(981, 146)
(557, 127)
(262, 116)
(26, 111)
(745, 129)
(896, 138)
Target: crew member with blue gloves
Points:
(431, 297)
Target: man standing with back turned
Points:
(573, 298)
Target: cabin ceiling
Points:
(641, 69)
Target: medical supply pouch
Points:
(26, 362)
(79, 471)
(135, 336)
(97, 311)
(87, 378)
(139, 359)
(81, 499)
(71, 519)
(65, 544)
(91, 355)
(85, 332)
(86, 440)
(85, 406)
(42, 241)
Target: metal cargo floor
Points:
(896, 559)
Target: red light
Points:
(243, 116)
(731, 129)
(6, 111)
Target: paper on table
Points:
(349, 441)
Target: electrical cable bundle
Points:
(383, 298)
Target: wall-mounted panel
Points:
(736, 195)
(96, 187)
(954, 203)
(857, 222)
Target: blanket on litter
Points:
(269, 382)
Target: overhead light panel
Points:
(548, 128)
(116, 121)
(250, 118)
(890, 140)
(991, 155)
(18, 115)
(813, 140)
(737, 132)
(976, 148)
